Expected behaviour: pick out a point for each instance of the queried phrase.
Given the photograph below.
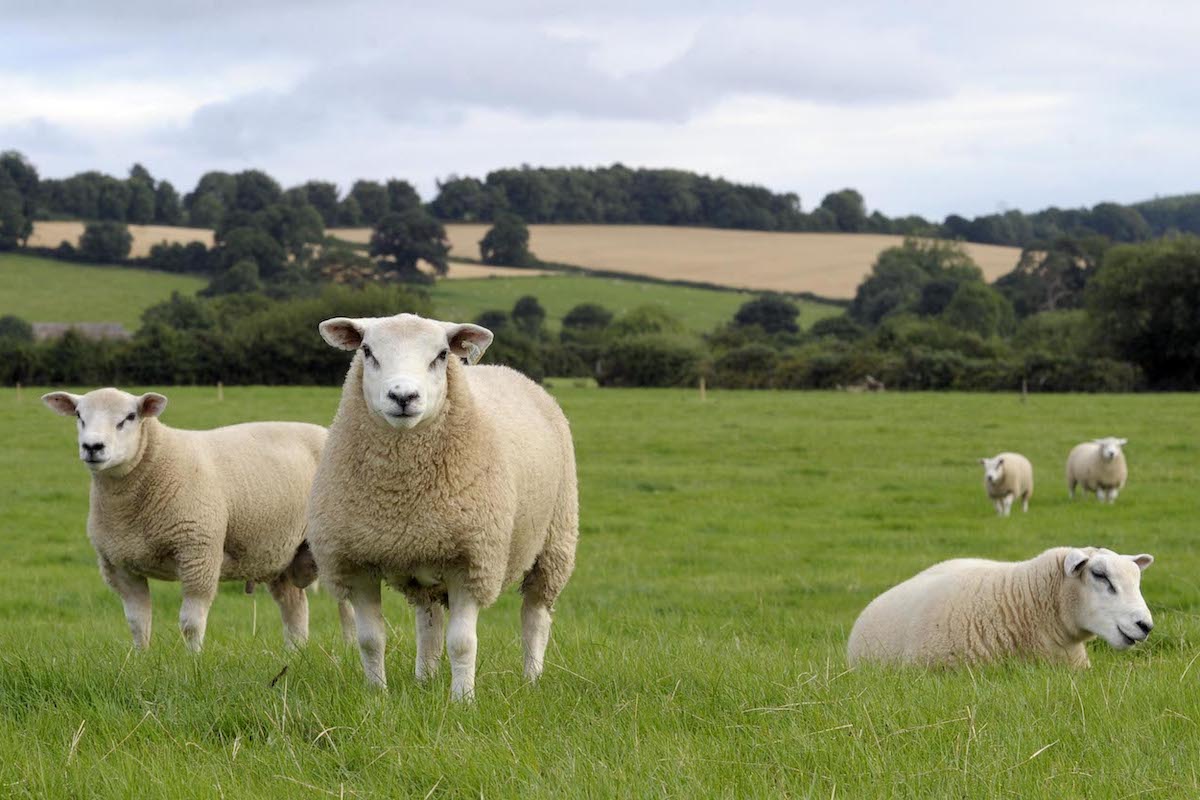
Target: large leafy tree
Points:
(773, 313)
(407, 237)
(848, 209)
(372, 199)
(105, 242)
(15, 227)
(1144, 301)
(506, 242)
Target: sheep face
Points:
(993, 470)
(109, 423)
(404, 361)
(1110, 448)
(1110, 603)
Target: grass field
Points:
(51, 234)
(726, 548)
(700, 309)
(45, 290)
(826, 264)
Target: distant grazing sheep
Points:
(1100, 467)
(446, 481)
(969, 610)
(196, 507)
(1005, 477)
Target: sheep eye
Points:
(369, 356)
(130, 417)
(1100, 576)
(82, 424)
(440, 357)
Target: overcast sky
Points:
(926, 108)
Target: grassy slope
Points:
(700, 309)
(726, 549)
(45, 290)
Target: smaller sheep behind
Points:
(969, 610)
(1099, 466)
(1005, 477)
(196, 507)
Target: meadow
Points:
(45, 290)
(825, 264)
(701, 310)
(726, 548)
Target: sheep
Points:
(446, 481)
(1006, 477)
(196, 507)
(1100, 466)
(969, 610)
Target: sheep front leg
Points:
(1112, 495)
(134, 591)
(462, 642)
(1100, 495)
(193, 614)
(372, 635)
(535, 635)
(293, 608)
(999, 505)
(1008, 501)
(430, 633)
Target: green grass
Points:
(726, 549)
(45, 290)
(701, 310)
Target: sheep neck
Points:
(130, 475)
(1044, 578)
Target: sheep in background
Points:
(1098, 465)
(1006, 477)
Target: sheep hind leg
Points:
(1112, 495)
(430, 639)
(365, 597)
(1100, 495)
(1025, 503)
(1008, 502)
(293, 609)
(134, 591)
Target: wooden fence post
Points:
(220, 392)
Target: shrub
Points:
(649, 361)
(105, 242)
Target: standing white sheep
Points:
(1005, 477)
(969, 610)
(446, 481)
(196, 507)
(1098, 465)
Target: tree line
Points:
(603, 195)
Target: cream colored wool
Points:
(1007, 477)
(482, 494)
(1099, 466)
(968, 611)
(198, 507)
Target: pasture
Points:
(726, 548)
(700, 310)
(46, 290)
(826, 264)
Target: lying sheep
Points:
(969, 610)
(195, 506)
(446, 481)
(1005, 477)
(1100, 466)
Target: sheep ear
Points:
(1074, 563)
(151, 404)
(63, 403)
(342, 332)
(1144, 560)
(1122, 442)
(467, 340)
(983, 461)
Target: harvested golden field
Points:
(52, 234)
(826, 264)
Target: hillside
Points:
(45, 290)
(701, 310)
(825, 264)
(52, 234)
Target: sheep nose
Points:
(93, 449)
(403, 400)
(1145, 626)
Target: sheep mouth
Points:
(1127, 640)
(94, 462)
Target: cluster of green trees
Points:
(236, 338)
